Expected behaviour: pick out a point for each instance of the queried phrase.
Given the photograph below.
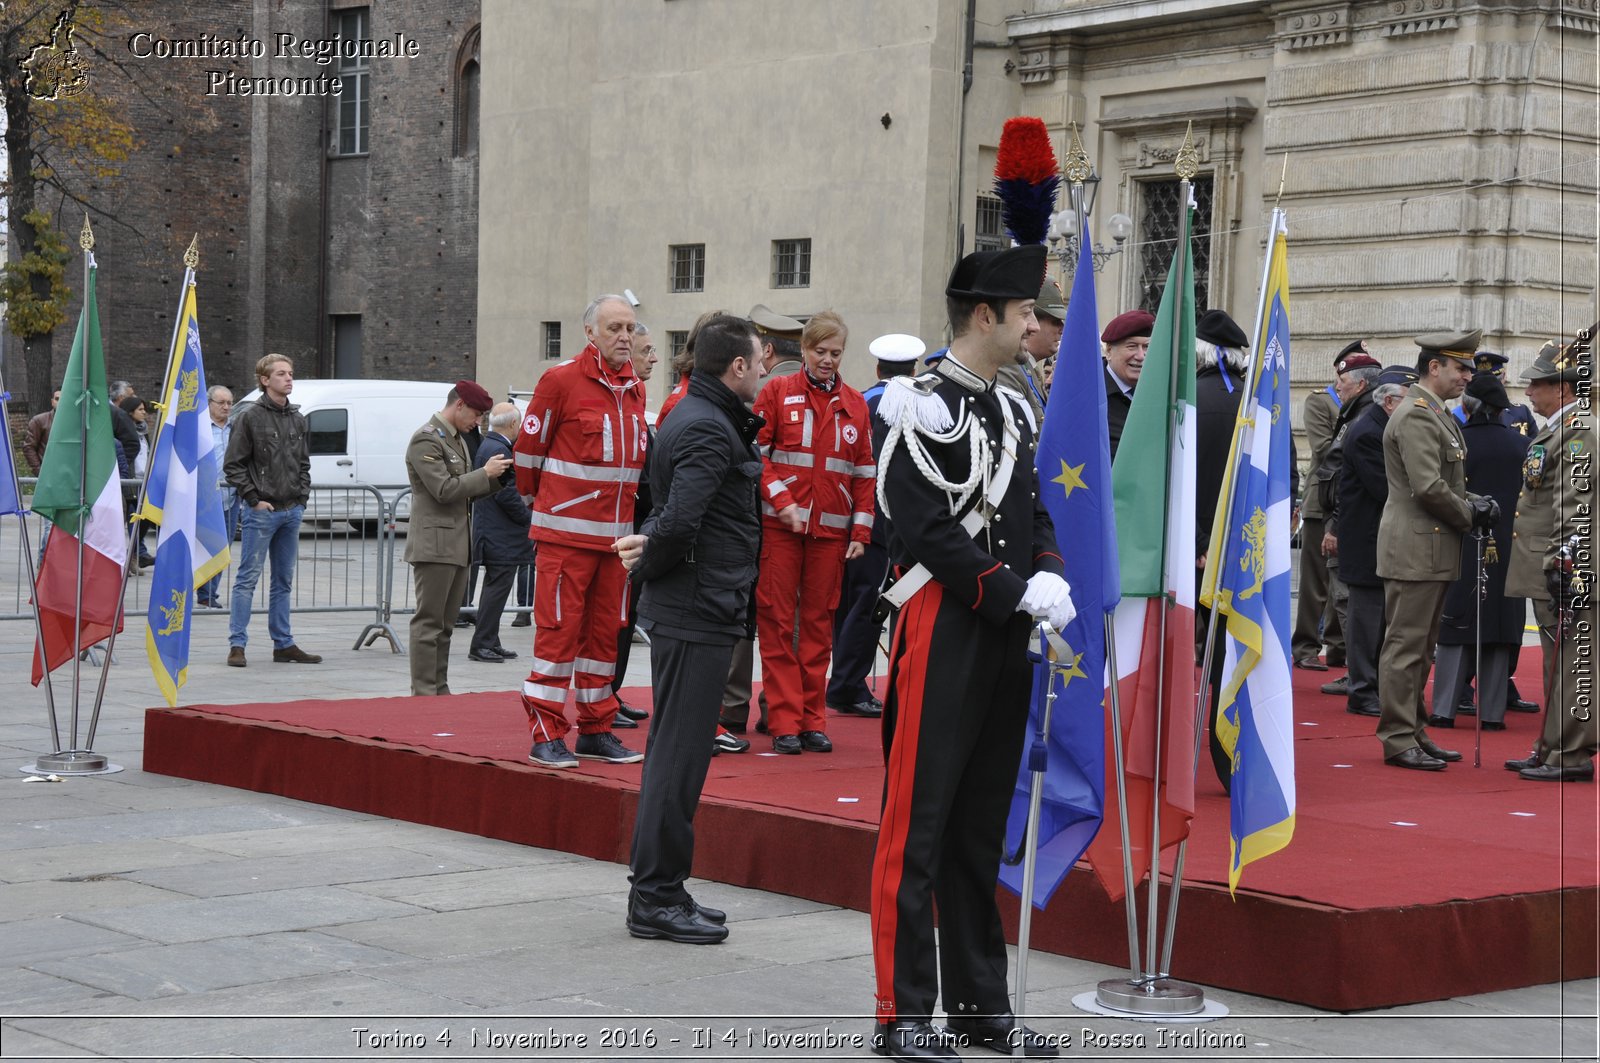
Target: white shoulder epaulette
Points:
(914, 398)
(1020, 400)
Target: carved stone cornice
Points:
(1315, 25)
(1580, 15)
(1404, 18)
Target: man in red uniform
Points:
(817, 483)
(579, 458)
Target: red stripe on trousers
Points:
(915, 632)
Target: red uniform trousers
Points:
(580, 602)
(798, 573)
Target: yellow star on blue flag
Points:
(1071, 476)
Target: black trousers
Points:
(687, 678)
(954, 725)
(855, 634)
(497, 581)
(625, 640)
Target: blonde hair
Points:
(823, 323)
(264, 366)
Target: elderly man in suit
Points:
(439, 537)
(1127, 341)
(1419, 541)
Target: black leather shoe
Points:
(1335, 660)
(1364, 710)
(1415, 758)
(1442, 721)
(1311, 664)
(673, 922)
(914, 1040)
(1437, 753)
(872, 707)
(1521, 705)
(630, 712)
(522, 620)
(786, 744)
(1339, 687)
(710, 915)
(620, 722)
(507, 654)
(1465, 707)
(815, 742)
(1533, 760)
(999, 1033)
(761, 726)
(486, 656)
(1493, 725)
(1552, 773)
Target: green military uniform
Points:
(1317, 619)
(1419, 554)
(1557, 502)
(439, 544)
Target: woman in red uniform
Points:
(817, 488)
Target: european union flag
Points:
(1074, 463)
(10, 493)
(182, 496)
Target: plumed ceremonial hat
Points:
(1049, 301)
(767, 320)
(1014, 273)
(1128, 323)
(471, 392)
(1404, 375)
(1350, 348)
(896, 347)
(1215, 326)
(1487, 389)
(1458, 345)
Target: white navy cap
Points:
(896, 347)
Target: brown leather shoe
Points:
(294, 655)
(1415, 758)
(236, 657)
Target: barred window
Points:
(676, 342)
(791, 263)
(1158, 231)
(688, 267)
(991, 228)
(352, 104)
(552, 340)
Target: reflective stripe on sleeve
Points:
(609, 474)
(801, 458)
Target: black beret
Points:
(1485, 386)
(1215, 326)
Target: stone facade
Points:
(291, 234)
(1441, 157)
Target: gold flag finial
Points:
(86, 234)
(1188, 161)
(191, 257)
(1077, 161)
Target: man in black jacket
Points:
(1362, 491)
(500, 540)
(1127, 341)
(696, 560)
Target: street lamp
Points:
(1063, 232)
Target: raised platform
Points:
(1399, 886)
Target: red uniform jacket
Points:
(816, 450)
(580, 452)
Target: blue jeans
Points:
(230, 518)
(265, 531)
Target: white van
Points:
(358, 434)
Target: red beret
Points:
(1132, 323)
(1359, 360)
(472, 393)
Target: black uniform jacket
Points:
(1117, 407)
(698, 570)
(987, 573)
(500, 521)
(1495, 450)
(1217, 409)
(1363, 489)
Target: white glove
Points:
(1048, 597)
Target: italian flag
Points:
(1153, 485)
(81, 495)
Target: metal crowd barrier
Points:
(344, 563)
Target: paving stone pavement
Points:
(145, 917)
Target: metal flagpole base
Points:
(72, 762)
(1151, 996)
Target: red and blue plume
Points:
(1026, 177)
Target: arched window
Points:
(467, 89)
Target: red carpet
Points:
(1399, 886)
